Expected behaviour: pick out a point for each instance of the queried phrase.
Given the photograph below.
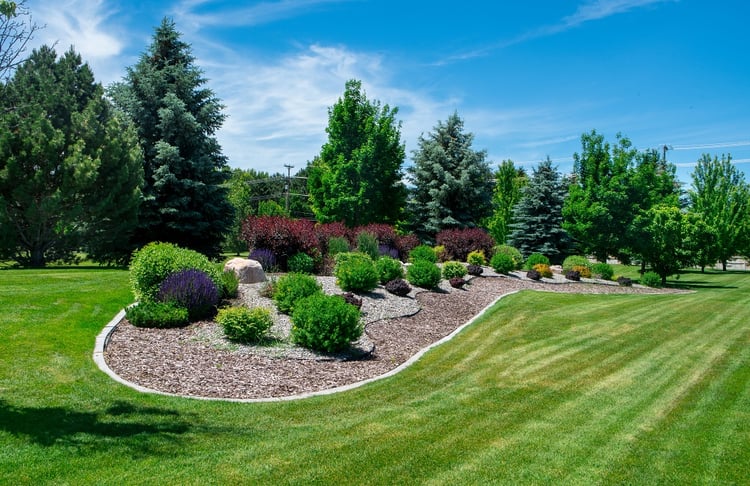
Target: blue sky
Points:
(528, 78)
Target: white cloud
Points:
(189, 11)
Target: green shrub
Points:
(502, 263)
(575, 261)
(337, 244)
(156, 261)
(230, 284)
(603, 271)
(355, 271)
(583, 270)
(423, 273)
(513, 253)
(476, 257)
(422, 252)
(389, 269)
(651, 279)
(325, 323)
(453, 269)
(301, 263)
(157, 314)
(192, 289)
(543, 269)
(367, 243)
(535, 259)
(291, 288)
(244, 324)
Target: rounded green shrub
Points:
(156, 261)
(389, 269)
(502, 263)
(293, 287)
(423, 273)
(157, 314)
(356, 272)
(244, 324)
(575, 261)
(535, 259)
(603, 271)
(476, 257)
(325, 323)
(513, 253)
(651, 279)
(422, 252)
(453, 269)
(301, 263)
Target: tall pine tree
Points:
(70, 169)
(537, 218)
(357, 177)
(185, 201)
(452, 182)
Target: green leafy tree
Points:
(507, 192)
(357, 177)
(177, 116)
(537, 217)
(452, 182)
(240, 196)
(720, 194)
(70, 169)
(16, 30)
(669, 239)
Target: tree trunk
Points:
(37, 257)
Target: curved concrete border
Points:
(103, 339)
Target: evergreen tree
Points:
(452, 182)
(185, 199)
(70, 170)
(357, 177)
(507, 192)
(722, 196)
(537, 218)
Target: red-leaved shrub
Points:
(326, 231)
(459, 243)
(385, 233)
(405, 244)
(283, 236)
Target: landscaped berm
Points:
(562, 387)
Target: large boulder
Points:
(248, 271)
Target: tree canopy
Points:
(16, 30)
(70, 169)
(177, 116)
(357, 177)
(509, 180)
(452, 183)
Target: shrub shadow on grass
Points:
(49, 426)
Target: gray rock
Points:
(248, 271)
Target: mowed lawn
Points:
(544, 389)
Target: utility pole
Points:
(664, 149)
(288, 185)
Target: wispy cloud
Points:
(592, 10)
(189, 11)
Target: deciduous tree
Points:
(507, 192)
(16, 30)
(357, 177)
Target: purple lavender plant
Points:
(265, 257)
(386, 250)
(191, 289)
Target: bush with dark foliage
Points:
(533, 275)
(474, 270)
(624, 281)
(352, 299)
(573, 275)
(459, 243)
(398, 287)
(457, 282)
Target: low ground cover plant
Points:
(157, 314)
(244, 324)
(325, 323)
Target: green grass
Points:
(544, 389)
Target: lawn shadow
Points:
(146, 429)
(694, 282)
